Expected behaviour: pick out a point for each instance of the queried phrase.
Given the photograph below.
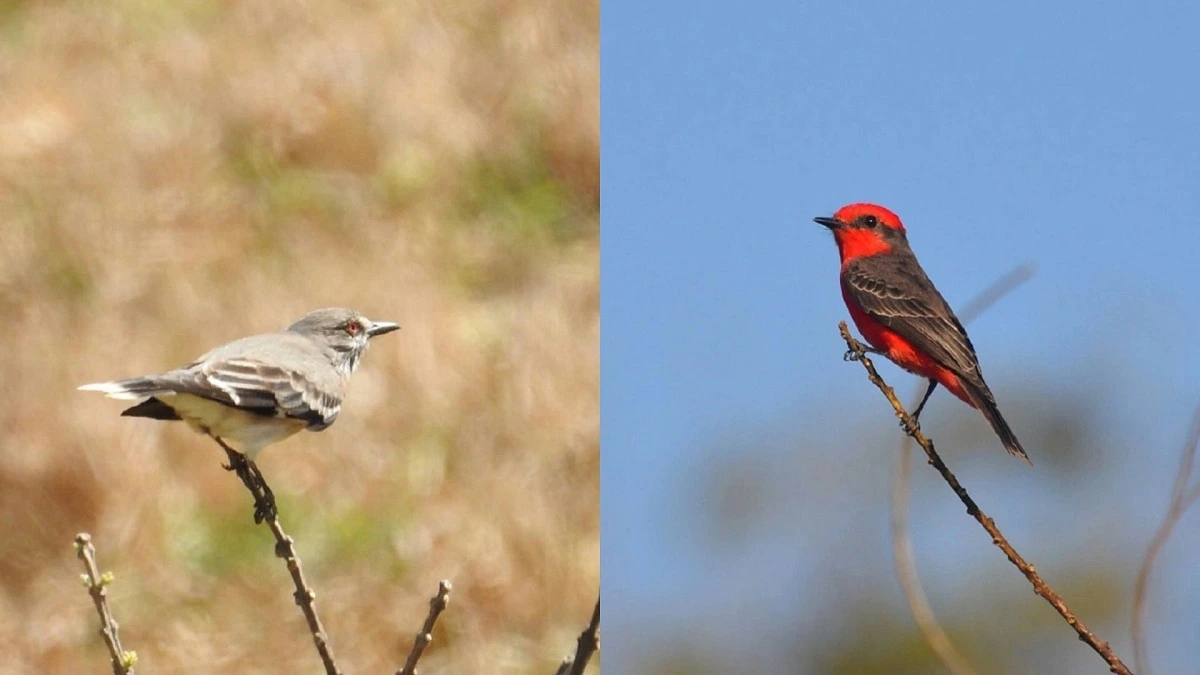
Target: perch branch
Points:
(264, 509)
(97, 585)
(437, 605)
(906, 568)
(858, 353)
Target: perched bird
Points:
(902, 315)
(261, 389)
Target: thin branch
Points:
(1181, 499)
(285, 548)
(585, 646)
(437, 605)
(910, 581)
(906, 568)
(97, 585)
(858, 353)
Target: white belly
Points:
(245, 432)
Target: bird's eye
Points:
(353, 327)
(870, 221)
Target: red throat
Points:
(854, 243)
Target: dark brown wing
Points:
(894, 290)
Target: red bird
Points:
(902, 315)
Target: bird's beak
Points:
(381, 327)
(831, 223)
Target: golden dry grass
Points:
(175, 175)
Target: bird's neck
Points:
(854, 243)
(350, 364)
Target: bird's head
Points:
(345, 332)
(865, 229)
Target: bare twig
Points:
(858, 353)
(906, 568)
(437, 605)
(284, 548)
(1181, 499)
(585, 646)
(97, 585)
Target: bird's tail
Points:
(135, 388)
(983, 400)
(131, 389)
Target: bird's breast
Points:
(247, 432)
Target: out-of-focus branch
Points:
(587, 644)
(264, 509)
(97, 585)
(906, 568)
(992, 294)
(1182, 498)
(858, 353)
(437, 605)
(910, 581)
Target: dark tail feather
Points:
(152, 408)
(982, 397)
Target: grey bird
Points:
(259, 390)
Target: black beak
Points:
(831, 223)
(380, 327)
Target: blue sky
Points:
(1063, 136)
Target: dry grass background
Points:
(176, 175)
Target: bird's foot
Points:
(264, 498)
(247, 471)
(852, 355)
(265, 509)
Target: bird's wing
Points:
(250, 383)
(896, 292)
(268, 377)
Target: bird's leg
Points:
(928, 393)
(252, 478)
(852, 355)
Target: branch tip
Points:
(122, 661)
(437, 605)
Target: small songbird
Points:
(261, 389)
(902, 315)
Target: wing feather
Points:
(244, 382)
(898, 294)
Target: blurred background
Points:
(177, 175)
(746, 467)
